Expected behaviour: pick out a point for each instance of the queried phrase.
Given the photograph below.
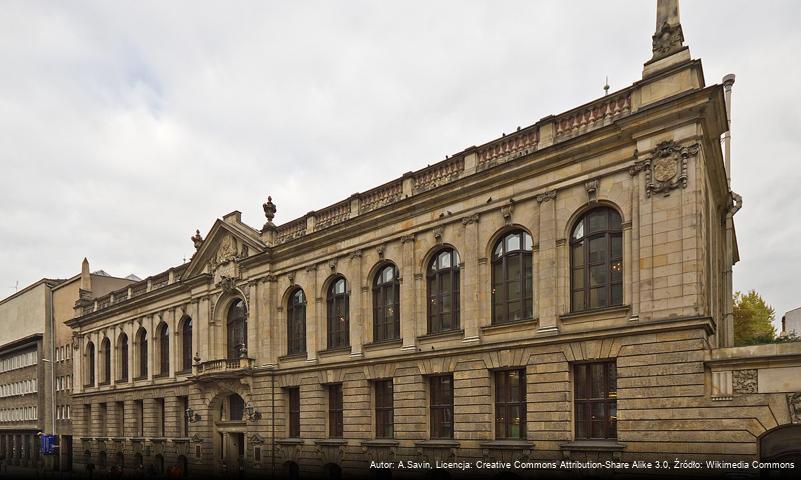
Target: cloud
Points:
(125, 126)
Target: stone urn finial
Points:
(269, 212)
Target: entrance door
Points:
(235, 454)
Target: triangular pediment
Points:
(223, 248)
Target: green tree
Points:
(753, 319)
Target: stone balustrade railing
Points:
(332, 215)
(508, 147)
(593, 115)
(438, 174)
(381, 196)
(223, 365)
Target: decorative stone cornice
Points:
(470, 219)
(546, 196)
(407, 238)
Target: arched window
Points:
(163, 345)
(296, 323)
(338, 318)
(105, 352)
(233, 408)
(186, 344)
(443, 291)
(237, 329)
(386, 304)
(512, 286)
(596, 260)
(122, 357)
(90, 364)
(142, 351)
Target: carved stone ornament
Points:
(667, 39)
(666, 170)
(197, 239)
(291, 278)
(228, 285)
(356, 254)
(227, 250)
(256, 439)
(437, 234)
(745, 381)
(380, 250)
(794, 405)
(407, 238)
(506, 211)
(470, 219)
(591, 186)
(269, 212)
(546, 196)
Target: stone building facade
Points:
(561, 292)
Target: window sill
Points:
(383, 344)
(181, 440)
(596, 312)
(161, 375)
(610, 445)
(331, 442)
(292, 356)
(334, 351)
(500, 327)
(143, 377)
(290, 441)
(121, 380)
(104, 384)
(445, 334)
(380, 442)
(508, 445)
(441, 443)
(184, 372)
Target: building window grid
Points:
(386, 304)
(512, 278)
(510, 404)
(384, 409)
(441, 406)
(595, 400)
(443, 291)
(335, 411)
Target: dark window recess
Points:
(161, 417)
(139, 410)
(294, 411)
(512, 280)
(338, 316)
(164, 349)
(596, 260)
(443, 291)
(386, 304)
(296, 323)
(105, 350)
(142, 343)
(335, 420)
(237, 329)
(441, 406)
(123, 357)
(183, 405)
(236, 408)
(510, 404)
(186, 344)
(90, 364)
(596, 400)
(384, 409)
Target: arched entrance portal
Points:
(230, 426)
(782, 444)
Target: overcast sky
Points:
(124, 126)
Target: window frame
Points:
(436, 276)
(236, 327)
(384, 408)
(439, 428)
(500, 286)
(105, 350)
(336, 420)
(610, 261)
(505, 404)
(163, 335)
(122, 353)
(293, 409)
(607, 400)
(187, 334)
(338, 332)
(386, 295)
(296, 323)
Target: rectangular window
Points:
(87, 419)
(120, 418)
(139, 412)
(384, 409)
(441, 406)
(294, 411)
(596, 400)
(161, 417)
(183, 405)
(335, 420)
(510, 404)
(103, 420)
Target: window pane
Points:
(597, 371)
(527, 243)
(578, 300)
(598, 220)
(498, 250)
(581, 382)
(598, 276)
(614, 219)
(578, 278)
(598, 420)
(578, 231)
(611, 372)
(617, 246)
(617, 294)
(598, 298)
(598, 250)
(578, 254)
(445, 260)
(513, 242)
(616, 269)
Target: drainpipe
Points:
(728, 81)
(272, 435)
(735, 202)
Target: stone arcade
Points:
(559, 293)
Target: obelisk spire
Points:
(668, 37)
(668, 40)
